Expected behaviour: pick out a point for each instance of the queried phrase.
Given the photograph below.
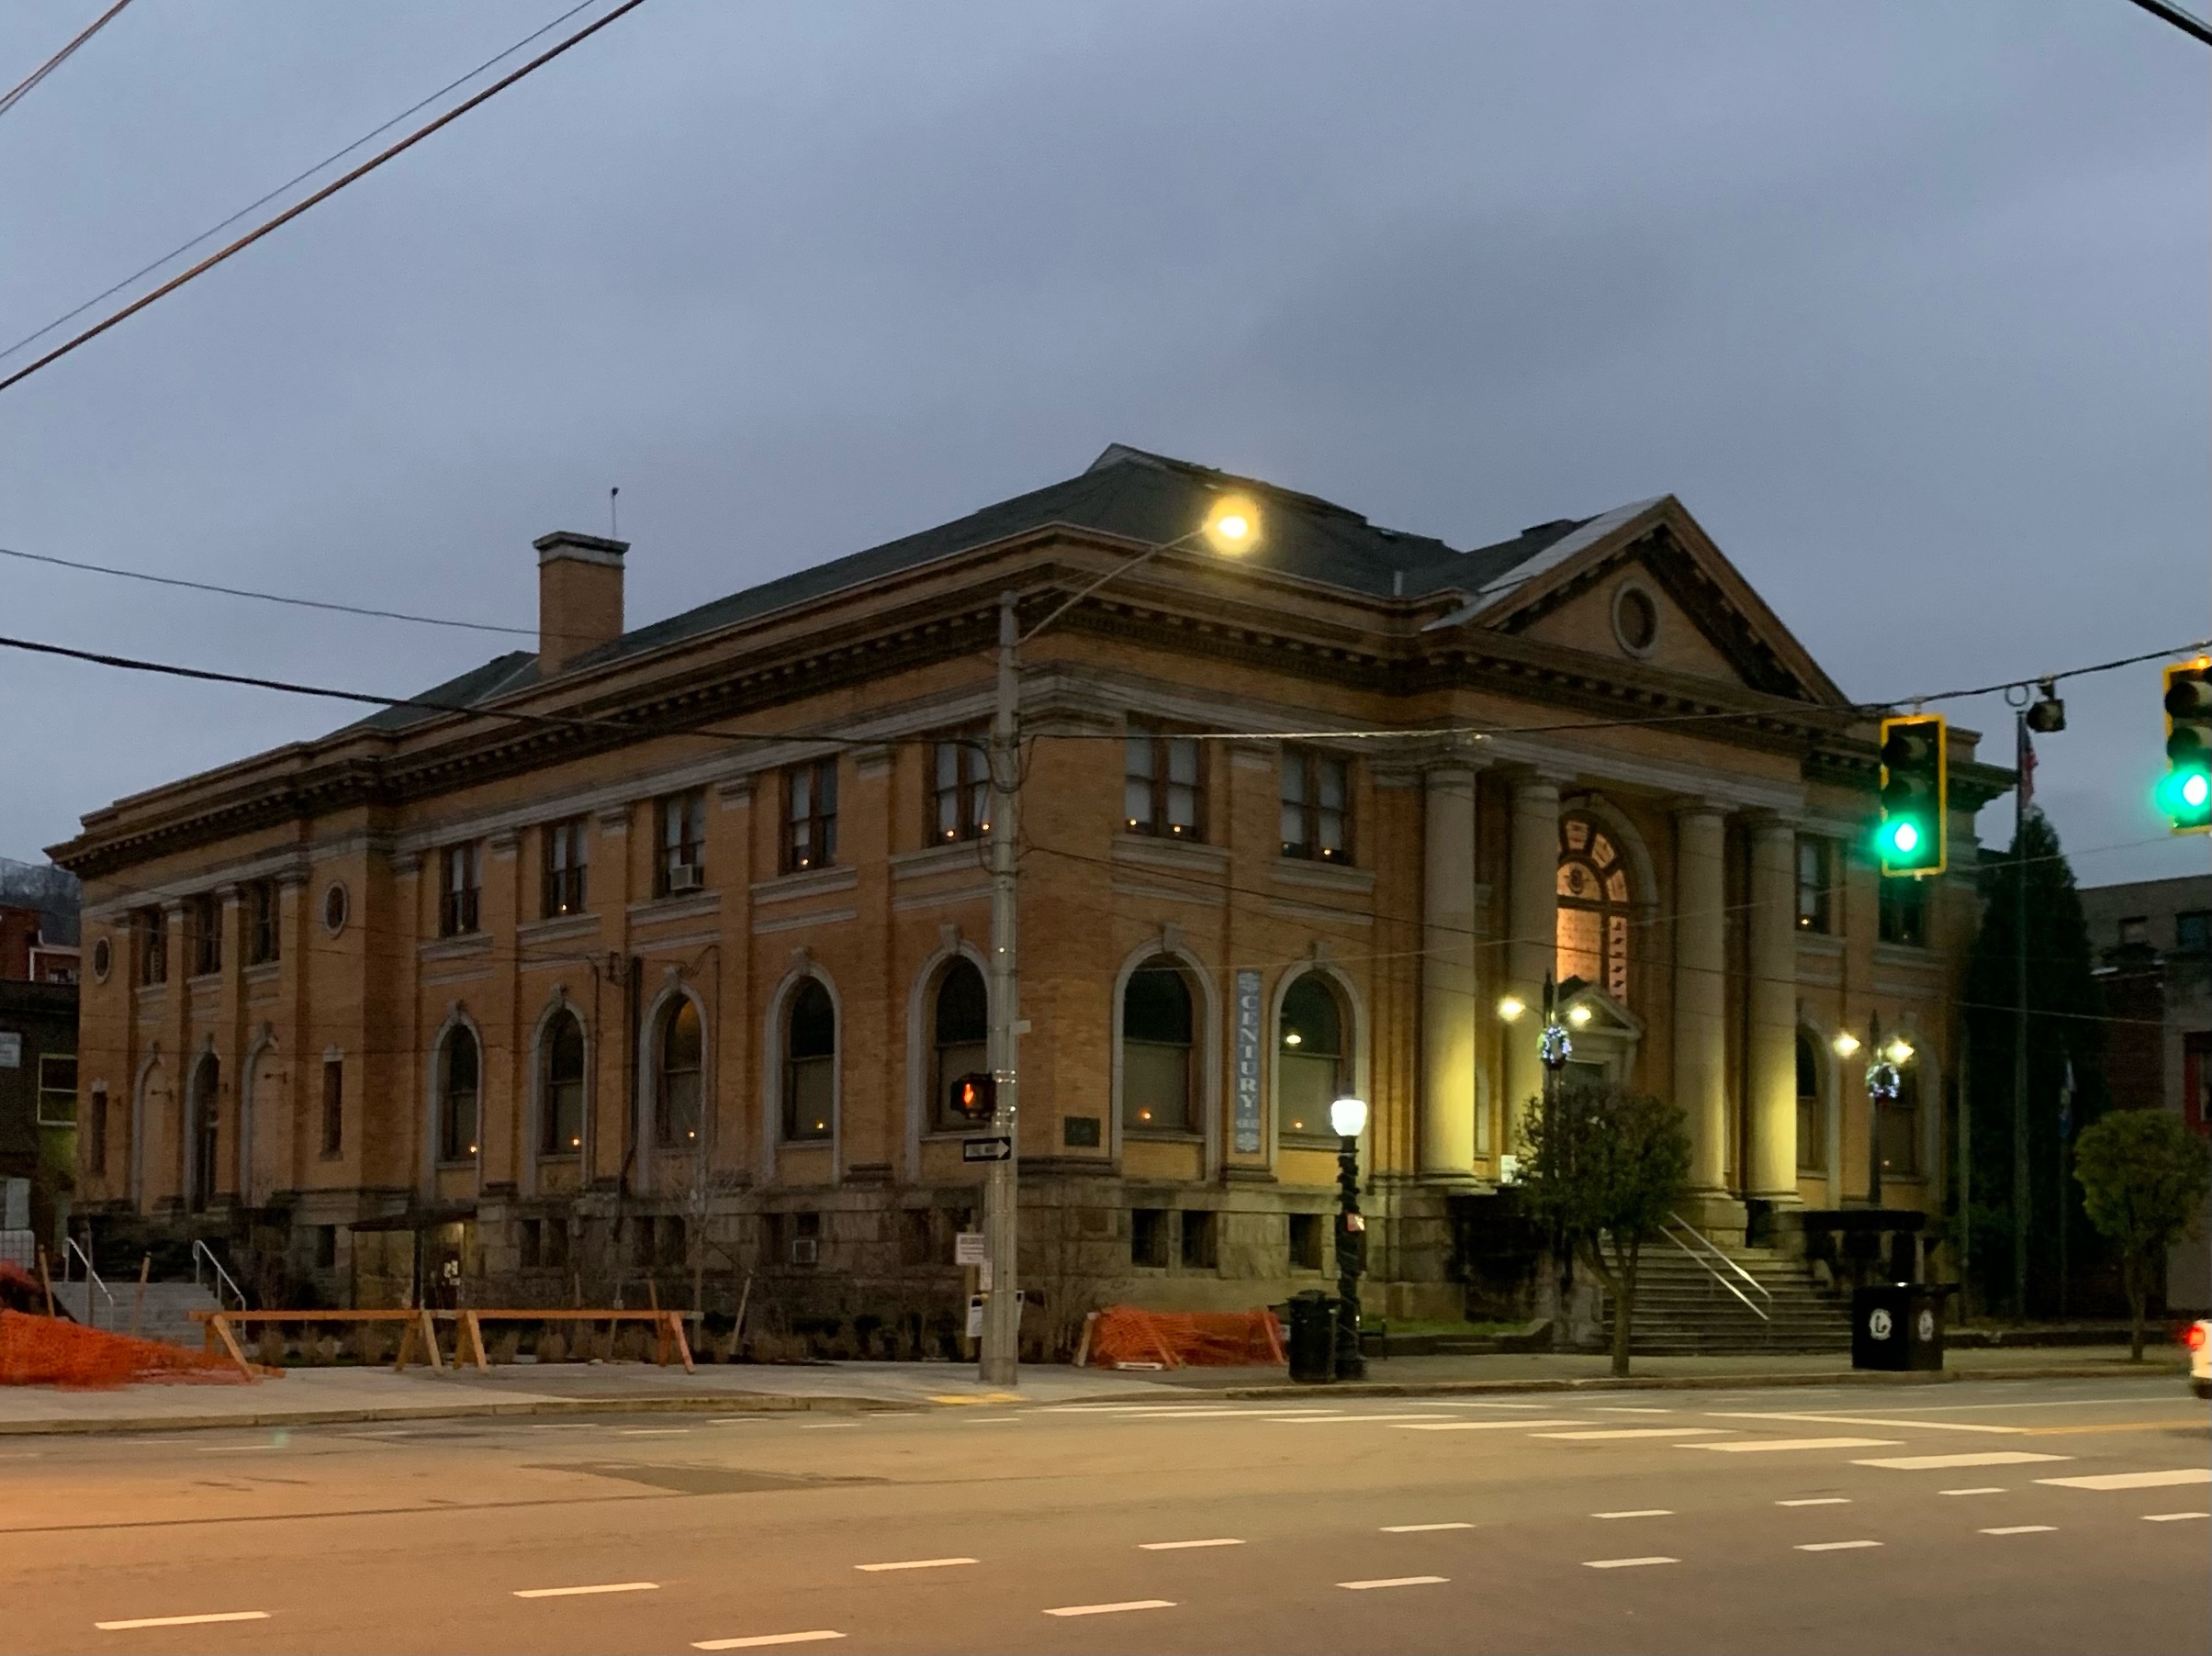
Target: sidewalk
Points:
(321, 1396)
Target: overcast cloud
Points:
(1905, 301)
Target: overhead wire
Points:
(322, 194)
(21, 89)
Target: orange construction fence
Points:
(1125, 1336)
(49, 1351)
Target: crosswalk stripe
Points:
(1919, 1463)
(2187, 1474)
(1607, 1434)
(1762, 1445)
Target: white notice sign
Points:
(968, 1248)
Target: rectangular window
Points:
(326, 1248)
(810, 816)
(460, 889)
(1201, 1231)
(1904, 912)
(1305, 1241)
(683, 843)
(262, 942)
(2135, 932)
(203, 928)
(528, 1240)
(566, 862)
(2193, 931)
(1317, 806)
(1148, 1237)
(1813, 899)
(333, 1106)
(960, 790)
(1161, 792)
(152, 928)
(57, 1090)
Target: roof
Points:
(1125, 492)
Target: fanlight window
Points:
(1593, 907)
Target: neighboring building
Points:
(38, 1053)
(682, 967)
(2153, 941)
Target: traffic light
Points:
(2185, 794)
(975, 1097)
(1915, 796)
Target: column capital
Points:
(1762, 819)
(1698, 804)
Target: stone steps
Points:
(1681, 1310)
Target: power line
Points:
(298, 178)
(2178, 17)
(322, 194)
(16, 94)
(270, 597)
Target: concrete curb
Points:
(1675, 1382)
(738, 1402)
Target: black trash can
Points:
(1897, 1326)
(1311, 1336)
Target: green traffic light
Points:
(1905, 838)
(2187, 798)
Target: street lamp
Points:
(1231, 526)
(1884, 1078)
(1348, 1118)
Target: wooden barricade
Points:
(420, 1326)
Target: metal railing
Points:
(92, 1281)
(1705, 1253)
(200, 1250)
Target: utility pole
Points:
(1001, 1345)
(2020, 1015)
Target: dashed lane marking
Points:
(1986, 1489)
(2187, 1474)
(914, 1564)
(1363, 1419)
(1114, 1609)
(1625, 1563)
(1822, 1501)
(762, 1641)
(1608, 1434)
(581, 1592)
(1825, 1418)
(1394, 1581)
(989, 1419)
(1641, 1512)
(1921, 1463)
(2172, 1517)
(1474, 1425)
(1222, 1541)
(652, 1431)
(2021, 1530)
(829, 1426)
(1833, 1546)
(1423, 1529)
(1627, 1408)
(1763, 1445)
(180, 1621)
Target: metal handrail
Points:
(200, 1250)
(1706, 1265)
(92, 1278)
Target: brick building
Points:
(677, 970)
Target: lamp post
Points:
(1883, 1078)
(1348, 1119)
(1232, 525)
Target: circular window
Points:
(1636, 619)
(334, 909)
(103, 956)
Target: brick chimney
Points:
(580, 596)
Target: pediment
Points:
(1607, 1016)
(1647, 588)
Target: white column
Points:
(1770, 1088)
(1533, 950)
(1447, 970)
(1701, 1077)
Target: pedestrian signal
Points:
(2185, 794)
(975, 1097)
(1915, 796)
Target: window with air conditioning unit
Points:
(685, 876)
(683, 835)
(806, 1251)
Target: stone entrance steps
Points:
(1683, 1310)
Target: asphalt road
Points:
(1946, 1519)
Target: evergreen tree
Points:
(2065, 1023)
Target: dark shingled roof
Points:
(1125, 492)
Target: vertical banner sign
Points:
(1245, 1117)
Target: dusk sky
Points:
(1905, 301)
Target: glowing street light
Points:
(1348, 1118)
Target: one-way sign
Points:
(997, 1149)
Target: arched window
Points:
(459, 1069)
(679, 1080)
(1157, 1042)
(207, 1080)
(1811, 1123)
(1313, 1067)
(1593, 907)
(561, 1100)
(810, 1063)
(961, 1040)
